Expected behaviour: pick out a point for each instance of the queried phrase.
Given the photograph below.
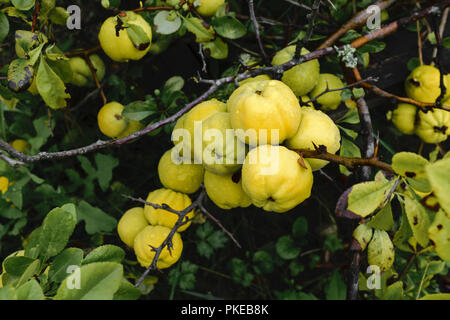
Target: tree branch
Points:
(251, 8)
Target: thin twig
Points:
(94, 76)
(251, 8)
(37, 8)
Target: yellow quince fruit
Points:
(132, 127)
(130, 224)
(264, 112)
(424, 84)
(184, 130)
(152, 237)
(115, 38)
(20, 145)
(433, 126)
(175, 200)
(81, 73)
(303, 77)
(274, 179)
(316, 128)
(178, 175)
(110, 120)
(226, 190)
(330, 100)
(4, 184)
(221, 151)
(404, 117)
(207, 8)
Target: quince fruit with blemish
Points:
(226, 190)
(261, 109)
(152, 237)
(303, 77)
(207, 8)
(117, 44)
(175, 200)
(110, 120)
(329, 100)
(404, 118)
(132, 222)
(424, 84)
(81, 73)
(316, 128)
(274, 179)
(192, 119)
(222, 152)
(433, 126)
(179, 175)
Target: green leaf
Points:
(196, 26)
(14, 192)
(23, 5)
(51, 87)
(127, 291)
(413, 63)
(105, 164)
(20, 74)
(98, 281)
(217, 49)
(8, 293)
(366, 197)
(300, 227)
(438, 174)
(439, 235)
(4, 26)
(228, 27)
(96, 220)
(31, 271)
(139, 110)
(393, 292)
(436, 296)
(31, 290)
(363, 234)
(418, 220)
(262, 262)
(16, 266)
(184, 278)
(412, 166)
(59, 15)
(58, 268)
(372, 47)
(106, 253)
(381, 251)
(349, 132)
(166, 22)
(25, 40)
(403, 234)
(348, 149)
(173, 84)
(286, 248)
(138, 37)
(382, 220)
(446, 42)
(336, 289)
(240, 272)
(351, 117)
(57, 228)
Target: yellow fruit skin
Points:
(224, 192)
(110, 120)
(199, 113)
(404, 117)
(274, 180)
(81, 73)
(330, 100)
(261, 77)
(301, 78)
(263, 106)
(20, 145)
(132, 222)
(154, 236)
(216, 157)
(423, 84)
(4, 184)
(208, 8)
(132, 127)
(175, 200)
(433, 126)
(183, 177)
(319, 129)
(121, 48)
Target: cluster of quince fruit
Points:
(423, 85)
(145, 228)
